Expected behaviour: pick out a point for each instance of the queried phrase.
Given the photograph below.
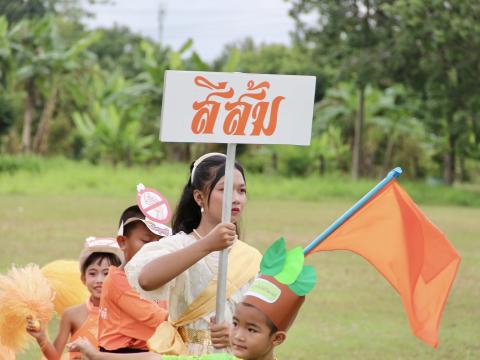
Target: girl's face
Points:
(94, 276)
(213, 208)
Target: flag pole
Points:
(392, 175)
(226, 217)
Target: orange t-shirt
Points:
(126, 320)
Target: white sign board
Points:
(215, 107)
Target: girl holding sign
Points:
(183, 268)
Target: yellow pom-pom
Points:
(64, 278)
(23, 292)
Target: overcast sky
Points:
(211, 23)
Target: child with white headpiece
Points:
(97, 255)
(126, 320)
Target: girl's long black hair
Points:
(187, 215)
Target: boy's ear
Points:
(121, 242)
(82, 277)
(278, 338)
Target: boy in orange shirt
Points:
(127, 321)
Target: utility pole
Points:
(161, 20)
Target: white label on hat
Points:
(264, 290)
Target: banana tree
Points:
(340, 108)
(44, 61)
(112, 134)
(6, 65)
(390, 131)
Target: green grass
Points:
(50, 205)
(353, 313)
(38, 176)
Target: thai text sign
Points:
(214, 107)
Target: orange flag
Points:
(393, 234)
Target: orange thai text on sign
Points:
(241, 110)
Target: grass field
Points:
(58, 176)
(353, 313)
(48, 210)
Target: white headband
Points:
(200, 159)
(156, 228)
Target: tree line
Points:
(396, 85)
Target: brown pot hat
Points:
(275, 300)
(280, 289)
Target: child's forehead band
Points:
(200, 159)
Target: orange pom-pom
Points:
(6, 353)
(23, 292)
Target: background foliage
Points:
(396, 85)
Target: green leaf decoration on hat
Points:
(293, 266)
(305, 281)
(287, 267)
(274, 258)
